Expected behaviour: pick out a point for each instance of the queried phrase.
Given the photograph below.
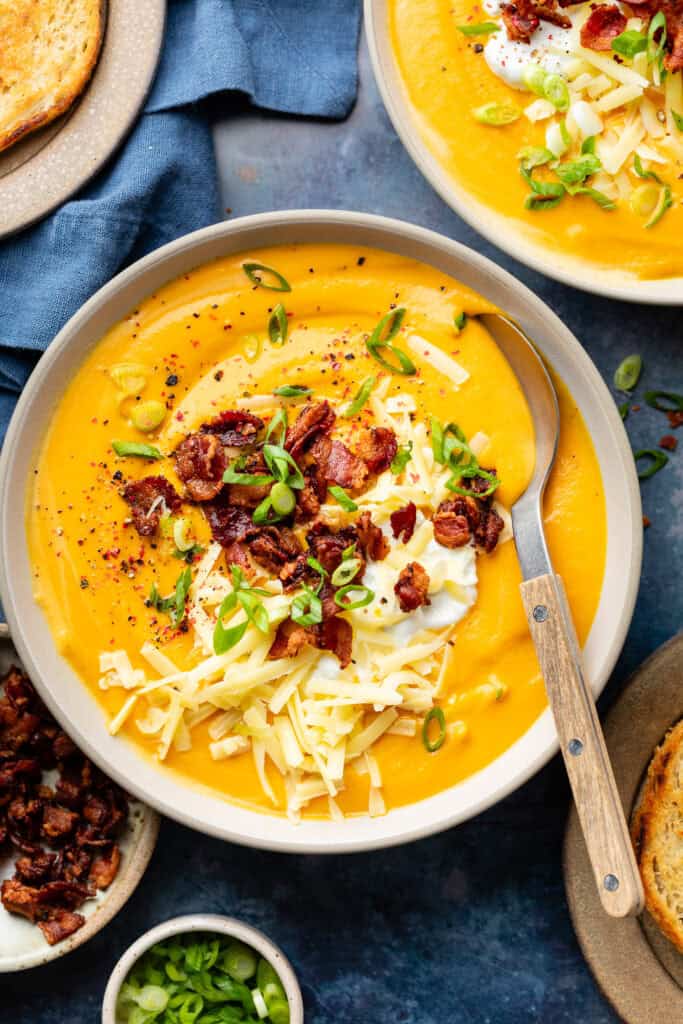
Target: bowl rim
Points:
(494, 226)
(220, 924)
(177, 797)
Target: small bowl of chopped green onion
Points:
(203, 969)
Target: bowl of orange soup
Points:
(256, 541)
(554, 129)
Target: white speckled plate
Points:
(47, 167)
(21, 943)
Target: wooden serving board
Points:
(637, 969)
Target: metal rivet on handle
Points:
(575, 747)
(611, 883)
(540, 613)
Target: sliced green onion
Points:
(381, 337)
(253, 270)
(664, 203)
(282, 466)
(130, 378)
(174, 604)
(654, 400)
(481, 28)
(434, 715)
(623, 410)
(678, 119)
(277, 429)
(534, 77)
(264, 513)
(278, 325)
(320, 569)
(602, 200)
(141, 451)
(147, 416)
(556, 90)
(655, 50)
(292, 391)
(225, 639)
(655, 458)
(627, 373)
(543, 202)
(342, 497)
(233, 475)
(182, 540)
(643, 200)
(252, 347)
(239, 961)
(588, 146)
(361, 397)
(497, 114)
(282, 498)
(485, 474)
(575, 172)
(404, 454)
(534, 156)
(152, 999)
(306, 608)
(629, 43)
(345, 572)
(366, 596)
(642, 173)
(459, 321)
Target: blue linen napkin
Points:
(293, 56)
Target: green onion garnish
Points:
(282, 466)
(233, 475)
(252, 347)
(627, 373)
(655, 50)
(556, 90)
(598, 197)
(481, 28)
(282, 498)
(497, 114)
(664, 203)
(292, 391)
(623, 410)
(534, 77)
(434, 715)
(404, 454)
(278, 325)
(142, 451)
(366, 596)
(575, 172)
(362, 395)
(265, 513)
(174, 604)
(252, 270)
(534, 156)
(342, 497)
(656, 461)
(678, 119)
(459, 321)
(306, 608)
(247, 597)
(588, 146)
(317, 567)
(239, 961)
(629, 43)
(655, 398)
(277, 428)
(381, 337)
(642, 173)
(346, 571)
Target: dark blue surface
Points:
(470, 927)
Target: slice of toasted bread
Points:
(657, 831)
(48, 50)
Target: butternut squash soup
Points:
(269, 527)
(565, 118)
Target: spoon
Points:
(552, 631)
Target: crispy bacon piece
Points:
(294, 573)
(329, 547)
(229, 525)
(668, 442)
(310, 497)
(315, 418)
(149, 499)
(55, 922)
(523, 17)
(23, 770)
(377, 448)
(234, 428)
(291, 638)
(451, 524)
(273, 547)
(37, 869)
(603, 24)
(412, 587)
(200, 463)
(336, 464)
(60, 926)
(58, 822)
(336, 635)
(371, 539)
(250, 495)
(675, 418)
(487, 534)
(104, 868)
(403, 522)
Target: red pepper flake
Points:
(180, 416)
(675, 418)
(635, 408)
(669, 442)
(646, 522)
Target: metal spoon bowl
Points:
(552, 629)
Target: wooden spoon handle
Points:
(583, 746)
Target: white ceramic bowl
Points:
(206, 923)
(69, 699)
(494, 226)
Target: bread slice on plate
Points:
(657, 832)
(48, 50)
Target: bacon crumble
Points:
(149, 499)
(403, 522)
(412, 587)
(603, 24)
(200, 463)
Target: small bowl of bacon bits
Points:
(72, 845)
(203, 969)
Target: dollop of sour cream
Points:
(550, 47)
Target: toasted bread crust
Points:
(40, 82)
(657, 833)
